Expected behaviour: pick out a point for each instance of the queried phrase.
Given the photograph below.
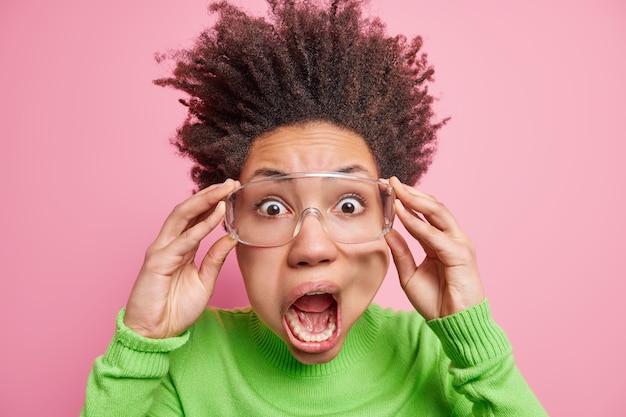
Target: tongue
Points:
(313, 318)
(314, 303)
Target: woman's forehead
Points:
(309, 148)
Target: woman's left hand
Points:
(447, 281)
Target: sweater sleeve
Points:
(482, 368)
(123, 381)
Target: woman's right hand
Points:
(171, 292)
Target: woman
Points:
(308, 113)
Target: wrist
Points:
(471, 336)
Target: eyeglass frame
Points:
(386, 189)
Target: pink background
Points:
(532, 164)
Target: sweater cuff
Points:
(140, 356)
(471, 337)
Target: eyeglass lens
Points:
(270, 212)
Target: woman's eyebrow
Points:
(264, 172)
(351, 169)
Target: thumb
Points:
(214, 260)
(402, 256)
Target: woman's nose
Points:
(312, 243)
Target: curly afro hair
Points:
(246, 76)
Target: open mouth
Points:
(312, 322)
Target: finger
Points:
(204, 215)
(214, 260)
(190, 239)
(402, 256)
(435, 243)
(433, 211)
(450, 251)
(196, 209)
(419, 228)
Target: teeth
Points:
(315, 293)
(301, 332)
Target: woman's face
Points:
(311, 290)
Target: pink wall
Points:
(531, 164)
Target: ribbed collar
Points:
(358, 342)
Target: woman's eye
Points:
(350, 206)
(272, 208)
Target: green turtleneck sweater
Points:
(393, 363)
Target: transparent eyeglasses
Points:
(270, 212)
